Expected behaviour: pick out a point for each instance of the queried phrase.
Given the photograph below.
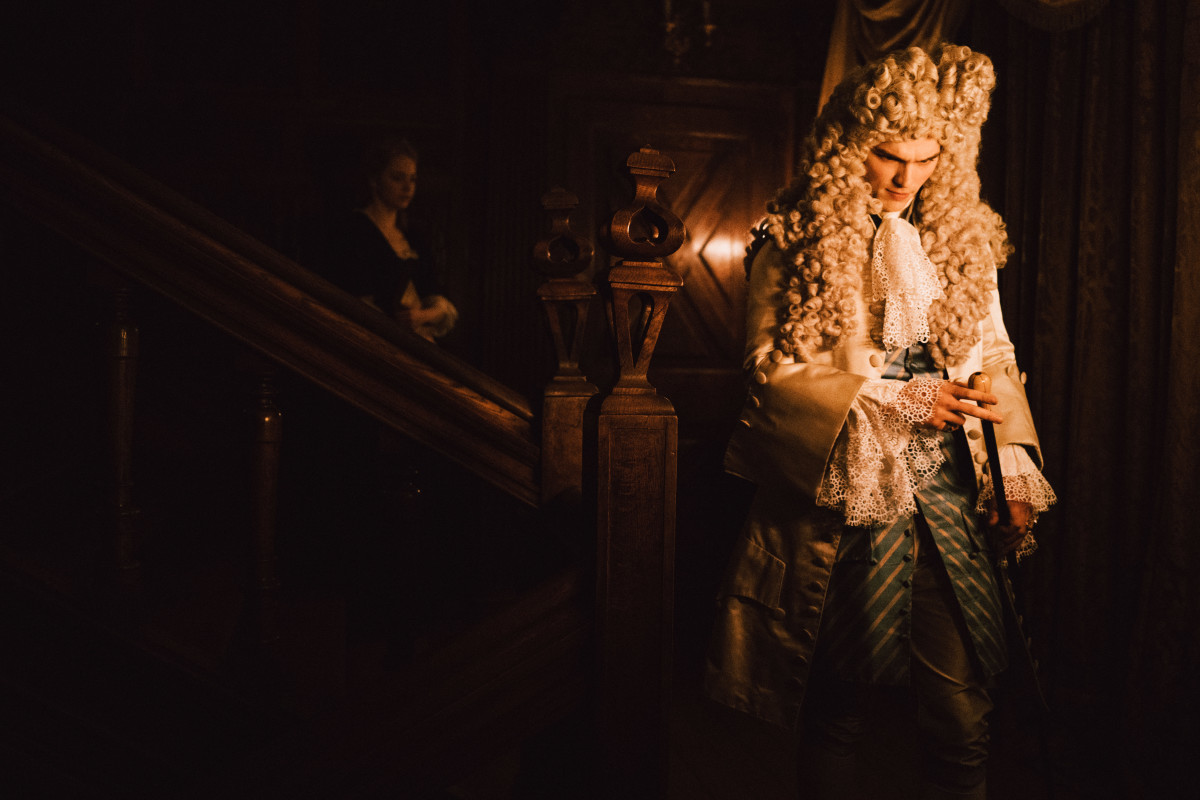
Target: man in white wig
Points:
(867, 558)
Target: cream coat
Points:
(770, 605)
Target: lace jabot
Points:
(905, 279)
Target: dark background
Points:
(256, 110)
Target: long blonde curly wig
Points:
(822, 224)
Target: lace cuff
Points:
(1023, 483)
(881, 458)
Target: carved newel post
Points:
(561, 256)
(636, 485)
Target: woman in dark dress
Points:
(376, 255)
(366, 473)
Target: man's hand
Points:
(955, 402)
(1007, 538)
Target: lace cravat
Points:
(903, 277)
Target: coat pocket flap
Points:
(755, 574)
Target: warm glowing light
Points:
(719, 250)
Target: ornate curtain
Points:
(1054, 15)
(866, 29)
(1101, 192)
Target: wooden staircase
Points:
(179, 625)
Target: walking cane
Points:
(983, 382)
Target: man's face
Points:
(896, 170)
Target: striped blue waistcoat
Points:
(865, 628)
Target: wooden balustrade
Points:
(152, 235)
(637, 448)
(461, 414)
(638, 442)
(562, 256)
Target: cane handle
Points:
(981, 381)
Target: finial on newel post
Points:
(637, 464)
(641, 234)
(562, 256)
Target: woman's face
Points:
(395, 185)
(896, 170)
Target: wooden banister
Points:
(636, 492)
(149, 233)
(561, 256)
(296, 319)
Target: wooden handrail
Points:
(148, 232)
